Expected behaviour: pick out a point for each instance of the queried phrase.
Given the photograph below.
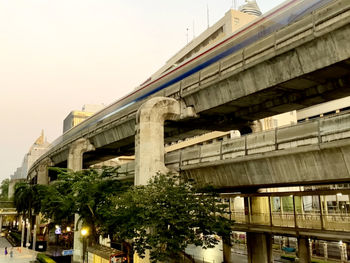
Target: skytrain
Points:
(262, 27)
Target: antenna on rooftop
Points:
(187, 34)
(208, 14)
(193, 31)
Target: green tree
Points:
(27, 199)
(88, 193)
(4, 189)
(167, 215)
(164, 216)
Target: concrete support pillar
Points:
(1, 217)
(149, 140)
(23, 228)
(228, 257)
(260, 210)
(343, 252)
(281, 204)
(324, 211)
(42, 178)
(303, 250)
(325, 205)
(76, 151)
(28, 234)
(247, 210)
(259, 246)
(149, 143)
(77, 241)
(325, 250)
(42, 171)
(34, 237)
(310, 248)
(75, 163)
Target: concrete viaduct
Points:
(302, 64)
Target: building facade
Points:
(77, 116)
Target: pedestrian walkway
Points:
(20, 255)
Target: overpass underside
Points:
(313, 164)
(301, 65)
(313, 152)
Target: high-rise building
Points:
(77, 116)
(38, 148)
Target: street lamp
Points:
(84, 232)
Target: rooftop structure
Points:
(251, 8)
(77, 116)
(231, 22)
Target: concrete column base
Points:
(259, 247)
(304, 250)
(77, 243)
(227, 253)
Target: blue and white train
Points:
(281, 16)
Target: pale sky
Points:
(57, 55)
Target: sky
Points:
(57, 55)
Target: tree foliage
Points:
(167, 215)
(4, 187)
(164, 216)
(27, 198)
(87, 193)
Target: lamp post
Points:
(84, 232)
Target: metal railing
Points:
(335, 222)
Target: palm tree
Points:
(26, 199)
